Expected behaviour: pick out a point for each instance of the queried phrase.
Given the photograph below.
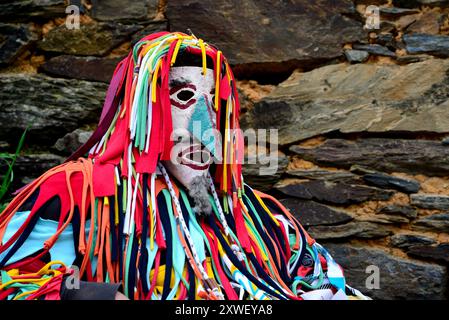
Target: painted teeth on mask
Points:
(195, 156)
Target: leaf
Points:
(10, 160)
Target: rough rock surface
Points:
(331, 192)
(124, 10)
(297, 31)
(72, 141)
(406, 241)
(353, 229)
(375, 49)
(385, 219)
(396, 12)
(257, 172)
(19, 10)
(405, 211)
(389, 155)
(31, 166)
(425, 43)
(50, 107)
(154, 26)
(95, 39)
(356, 55)
(437, 253)
(87, 68)
(430, 201)
(14, 40)
(416, 3)
(311, 213)
(357, 98)
(417, 280)
(382, 180)
(320, 174)
(436, 222)
(428, 23)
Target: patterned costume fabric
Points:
(120, 216)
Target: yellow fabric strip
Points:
(203, 55)
(217, 81)
(154, 80)
(23, 294)
(266, 209)
(152, 223)
(175, 52)
(225, 155)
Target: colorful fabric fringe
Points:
(121, 218)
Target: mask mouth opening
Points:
(195, 157)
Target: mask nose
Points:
(202, 126)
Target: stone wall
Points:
(363, 115)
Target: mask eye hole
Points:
(185, 95)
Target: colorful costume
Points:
(127, 214)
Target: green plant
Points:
(10, 159)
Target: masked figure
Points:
(159, 206)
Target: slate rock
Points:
(311, 213)
(335, 193)
(14, 40)
(429, 23)
(94, 39)
(386, 39)
(388, 155)
(417, 43)
(322, 174)
(382, 180)
(361, 170)
(405, 211)
(72, 141)
(24, 10)
(416, 280)
(430, 201)
(152, 27)
(356, 56)
(370, 2)
(434, 2)
(30, 166)
(435, 223)
(406, 3)
(386, 26)
(413, 58)
(262, 174)
(50, 106)
(395, 12)
(385, 219)
(83, 68)
(270, 35)
(405, 22)
(124, 10)
(439, 253)
(353, 229)
(356, 98)
(405, 241)
(375, 49)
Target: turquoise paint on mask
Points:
(200, 123)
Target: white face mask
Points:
(196, 139)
